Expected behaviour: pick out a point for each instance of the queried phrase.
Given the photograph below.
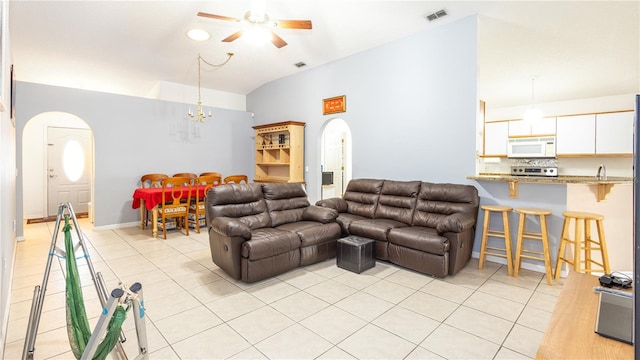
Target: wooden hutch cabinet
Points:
(280, 152)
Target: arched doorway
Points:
(57, 165)
(335, 158)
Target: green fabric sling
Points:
(78, 329)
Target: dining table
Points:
(150, 198)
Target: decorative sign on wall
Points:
(334, 105)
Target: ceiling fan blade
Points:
(293, 24)
(277, 40)
(233, 36)
(217, 17)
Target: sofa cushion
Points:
(397, 200)
(286, 202)
(312, 233)
(376, 229)
(362, 196)
(298, 225)
(244, 202)
(437, 201)
(269, 242)
(345, 220)
(420, 238)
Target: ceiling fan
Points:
(258, 18)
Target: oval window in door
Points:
(73, 160)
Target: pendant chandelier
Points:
(532, 114)
(200, 115)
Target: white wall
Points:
(134, 136)
(169, 91)
(411, 106)
(7, 177)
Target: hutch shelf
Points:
(280, 152)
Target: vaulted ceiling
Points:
(575, 49)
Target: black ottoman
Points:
(356, 253)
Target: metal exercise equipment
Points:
(117, 297)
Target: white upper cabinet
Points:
(495, 138)
(576, 135)
(614, 133)
(545, 126)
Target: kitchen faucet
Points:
(602, 173)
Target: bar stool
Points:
(583, 241)
(543, 236)
(485, 249)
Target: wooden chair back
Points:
(236, 179)
(176, 196)
(197, 207)
(214, 173)
(191, 176)
(207, 177)
(175, 189)
(152, 180)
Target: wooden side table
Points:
(570, 334)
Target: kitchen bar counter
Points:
(604, 186)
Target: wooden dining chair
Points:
(236, 179)
(150, 181)
(214, 173)
(191, 176)
(196, 209)
(217, 177)
(175, 190)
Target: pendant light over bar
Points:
(532, 114)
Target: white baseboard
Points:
(7, 302)
(116, 226)
(524, 265)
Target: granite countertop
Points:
(566, 179)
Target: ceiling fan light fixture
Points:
(198, 35)
(257, 35)
(258, 10)
(256, 18)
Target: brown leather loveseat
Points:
(258, 230)
(423, 226)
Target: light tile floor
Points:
(195, 311)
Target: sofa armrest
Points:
(456, 223)
(338, 204)
(230, 227)
(320, 214)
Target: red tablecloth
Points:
(153, 196)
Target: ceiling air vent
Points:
(436, 15)
(300, 64)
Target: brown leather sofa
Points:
(258, 230)
(419, 225)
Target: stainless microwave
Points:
(532, 147)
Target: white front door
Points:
(335, 158)
(68, 169)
